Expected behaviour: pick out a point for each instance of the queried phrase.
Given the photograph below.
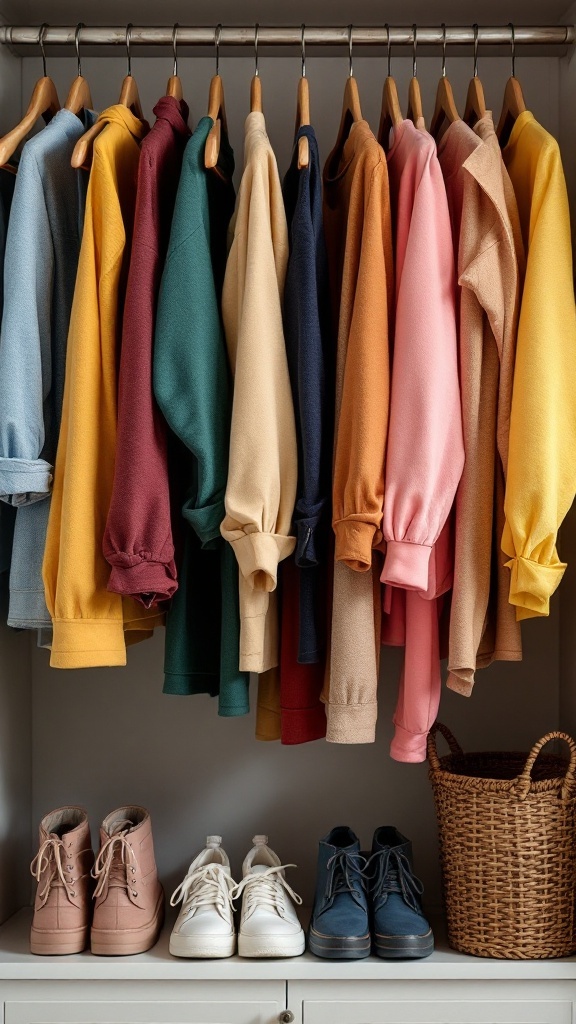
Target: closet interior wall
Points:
(106, 737)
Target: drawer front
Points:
(441, 1012)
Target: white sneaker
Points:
(205, 925)
(268, 923)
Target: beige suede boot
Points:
(63, 904)
(129, 909)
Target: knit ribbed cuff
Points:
(87, 643)
(147, 582)
(532, 585)
(406, 565)
(408, 747)
(351, 723)
(23, 481)
(354, 542)
(258, 555)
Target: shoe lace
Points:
(393, 873)
(266, 888)
(111, 863)
(206, 886)
(347, 873)
(49, 857)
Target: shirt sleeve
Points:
(425, 454)
(138, 539)
(541, 478)
(358, 485)
(25, 342)
(262, 474)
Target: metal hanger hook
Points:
(443, 26)
(128, 57)
(303, 49)
(217, 34)
(388, 46)
(414, 47)
(41, 35)
(174, 51)
(350, 61)
(79, 28)
(475, 27)
(513, 47)
(256, 29)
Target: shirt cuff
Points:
(88, 643)
(408, 747)
(258, 555)
(354, 543)
(351, 723)
(147, 582)
(24, 481)
(532, 585)
(406, 565)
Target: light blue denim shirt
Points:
(42, 250)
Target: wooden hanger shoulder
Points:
(445, 112)
(256, 95)
(303, 118)
(216, 111)
(43, 103)
(174, 88)
(130, 97)
(415, 108)
(475, 108)
(390, 114)
(79, 98)
(512, 106)
(82, 153)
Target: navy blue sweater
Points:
(310, 363)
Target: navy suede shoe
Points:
(399, 929)
(340, 929)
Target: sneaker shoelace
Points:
(206, 886)
(348, 872)
(393, 873)
(266, 889)
(112, 862)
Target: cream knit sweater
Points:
(263, 467)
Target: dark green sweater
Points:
(192, 388)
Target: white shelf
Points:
(17, 963)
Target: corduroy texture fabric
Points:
(262, 475)
(359, 242)
(138, 542)
(541, 478)
(192, 385)
(42, 250)
(487, 236)
(89, 621)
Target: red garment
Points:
(138, 541)
(302, 715)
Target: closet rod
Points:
(243, 35)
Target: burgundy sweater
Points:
(138, 541)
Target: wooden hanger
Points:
(475, 108)
(351, 109)
(129, 97)
(390, 114)
(79, 97)
(174, 87)
(415, 110)
(256, 84)
(216, 111)
(43, 103)
(303, 111)
(513, 104)
(445, 112)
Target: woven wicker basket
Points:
(507, 825)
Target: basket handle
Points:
(432, 747)
(524, 780)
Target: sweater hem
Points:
(24, 482)
(27, 610)
(267, 724)
(191, 684)
(302, 725)
(351, 723)
(88, 643)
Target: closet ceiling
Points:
(280, 11)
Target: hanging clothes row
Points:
(293, 425)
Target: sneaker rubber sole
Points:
(59, 943)
(339, 947)
(131, 941)
(271, 945)
(403, 947)
(203, 947)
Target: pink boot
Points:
(129, 910)
(61, 867)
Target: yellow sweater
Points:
(542, 454)
(89, 621)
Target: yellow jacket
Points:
(542, 453)
(89, 621)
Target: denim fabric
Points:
(340, 903)
(42, 249)
(395, 892)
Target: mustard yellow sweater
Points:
(542, 452)
(89, 621)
